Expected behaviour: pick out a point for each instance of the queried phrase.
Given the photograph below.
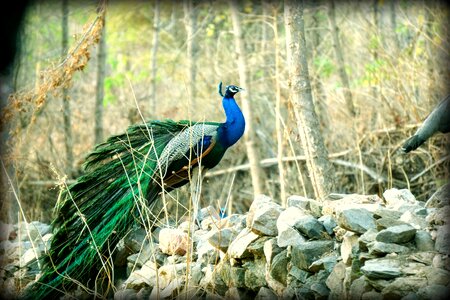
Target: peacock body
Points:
(97, 211)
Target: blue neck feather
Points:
(233, 129)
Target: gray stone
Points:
(423, 241)
(297, 274)
(372, 295)
(383, 212)
(358, 287)
(326, 263)
(146, 276)
(435, 292)
(402, 286)
(439, 216)
(173, 241)
(305, 254)
(320, 291)
(255, 272)
(381, 269)
(397, 234)
(34, 230)
(127, 294)
(238, 248)
(136, 240)
(384, 223)
(271, 249)
(442, 243)
(414, 220)
(278, 267)
(357, 220)
(309, 226)
(328, 222)
(221, 239)
(380, 248)
(396, 198)
(352, 201)
(265, 294)
(298, 201)
(367, 238)
(257, 247)
(263, 215)
(289, 236)
(349, 242)
(335, 281)
(440, 198)
(437, 276)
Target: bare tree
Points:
(100, 91)
(320, 170)
(340, 59)
(68, 141)
(154, 53)
(190, 21)
(250, 136)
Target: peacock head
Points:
(230, 90)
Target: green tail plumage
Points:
(100, 208)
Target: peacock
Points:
(437, 120)
(98, 210)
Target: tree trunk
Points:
(250, 137)
(101, 64)
(68, 141)
(340, 60)
(154, 53)
(279, 129)
(320, 170)
(393, 20)
(190, 22)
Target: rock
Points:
(358, 287)
(372, 295)
(442, 243)
(146, 276)
(335, 281)
(384, 223)
(328, 222)
(435, 292)
(396, 199)
(238, 248)
(265, 294)
(414, 220)
(380, 248)
(231, 275)
(440, 198)
(173, 241)
(289, 217)
(208, 212)
(383, 212)
(271, 249)
(326, 263)
(358, 220)
(320, 291)
(353, 201)
(222, 238)
(402, 286)
(144, 294)
(257, 247)
(278, 267)
(306, 253)
(136, 240)
(349, 242)
(255, 274)
(437, 276)
(34, 230)
(423, 241)
(441, 261)
(367, 238)
(263, 215)
(381, 269)
(289, 237)
(439, 216)
(127, 294)
(399, 234)
(309, 226)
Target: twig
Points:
(361, 167)
(417, 176)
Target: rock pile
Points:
(347, 247)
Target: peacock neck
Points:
(233, 128)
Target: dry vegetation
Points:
(396, 76)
